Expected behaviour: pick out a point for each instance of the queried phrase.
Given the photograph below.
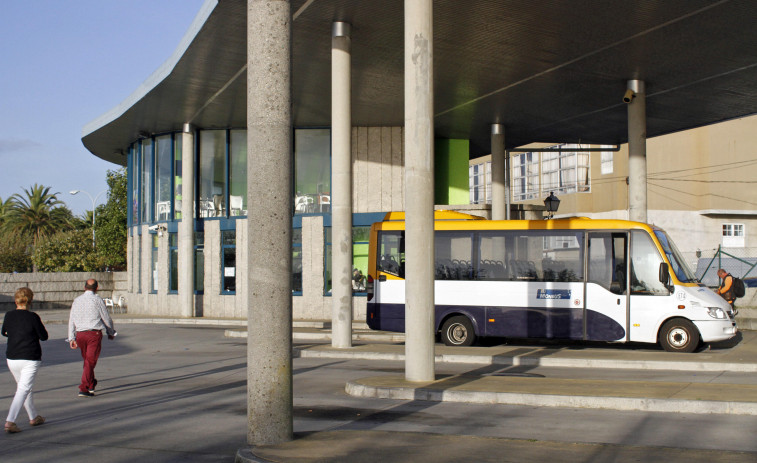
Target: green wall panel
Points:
(451, 171)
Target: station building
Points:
(184, 130)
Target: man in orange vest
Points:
(726, 288)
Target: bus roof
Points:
(450, 222)
(438, 215)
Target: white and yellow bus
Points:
(578, 278)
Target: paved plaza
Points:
(176, 392)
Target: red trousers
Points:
(89, 343)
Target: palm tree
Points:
(5, 207)
(37, 214)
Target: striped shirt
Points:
(88, 312)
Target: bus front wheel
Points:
(679, 335)
(458, 331)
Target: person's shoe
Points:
(93, 387)
(37, 421)
(86, 394)
(11, 428)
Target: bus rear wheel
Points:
(458, 331)
(679, 335)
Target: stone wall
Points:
(58, 290)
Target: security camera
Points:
(628, 96)
(154, 227)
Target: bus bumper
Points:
(716, 330)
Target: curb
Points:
(541, 361)
(551, 400)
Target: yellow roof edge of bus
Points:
(438, 215)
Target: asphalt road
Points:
(170, 394)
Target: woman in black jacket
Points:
(24, 331)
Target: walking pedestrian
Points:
(24, 330)
(86, 323)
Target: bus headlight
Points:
(716, 312)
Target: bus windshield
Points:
(681, 269)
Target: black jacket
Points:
(24, 331)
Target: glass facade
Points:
(156, 184)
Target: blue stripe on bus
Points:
(514, 322)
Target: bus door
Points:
(606, 316)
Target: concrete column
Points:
(341, 188)
(419, 189)
(637, 152)
(186, 226)
(269, 157)
(498, 172)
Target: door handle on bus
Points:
(618, 301)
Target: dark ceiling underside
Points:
(549, 70)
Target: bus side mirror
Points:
(665, 276)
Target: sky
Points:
(63, 63)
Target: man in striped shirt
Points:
(86, 323)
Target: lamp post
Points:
(94, 200)
(551, 203)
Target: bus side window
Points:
(391, 253)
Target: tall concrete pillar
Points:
(269, 223)
(186, 226)
(637, 152)
(341, 187)
(419, 189)
(499, 210)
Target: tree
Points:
(38, 214)
(5, 207)
(14, 254)
(68, 251)
(110, 227)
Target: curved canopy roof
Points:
(549, 70)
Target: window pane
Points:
(297, 260)
(228, 243)
(133, 177)
(177, 177)
(238, 173)
(229, 269)
(491, 257)
(391, 253)
(312, 178)
(162, 193)
(146, 180)
(212, 173)
(452, 256)
(199, 262)
(360, 246)
(327, 264)
(174, 272)
(645, 266)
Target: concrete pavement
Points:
(684, 396)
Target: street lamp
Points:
(94, 200)
(551, 203)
